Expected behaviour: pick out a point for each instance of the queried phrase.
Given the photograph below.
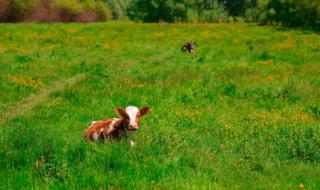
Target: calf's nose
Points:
(133, 126)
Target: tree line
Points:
(292, 13)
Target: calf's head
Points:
(131, 116)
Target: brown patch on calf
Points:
(101, 128)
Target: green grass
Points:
(242, 112)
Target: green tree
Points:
(21, 8)
(118, 8)
(160, 10)
(295, 12)
(238, 7)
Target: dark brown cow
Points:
(189, 46)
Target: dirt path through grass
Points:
(31, 101)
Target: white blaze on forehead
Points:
(132, 111)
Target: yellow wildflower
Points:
(265, 62)
(159, 34)
(2, 50)
(72, 30)
(305, 117)
(106, 46)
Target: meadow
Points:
(242, 112)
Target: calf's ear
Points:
(121, 113)
(144, 111)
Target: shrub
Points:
(53, 11)
(21, 8)
(294, 13)
(72, 6)
(251, 15)
(4, 9)
(192, 15)
(119, 8)
(99, 7)
(45, 11)
(103, 11)
(216, 14)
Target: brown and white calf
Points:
(116, 128)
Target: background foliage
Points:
(54, 11)
(293, 13)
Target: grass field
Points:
(242, 112)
